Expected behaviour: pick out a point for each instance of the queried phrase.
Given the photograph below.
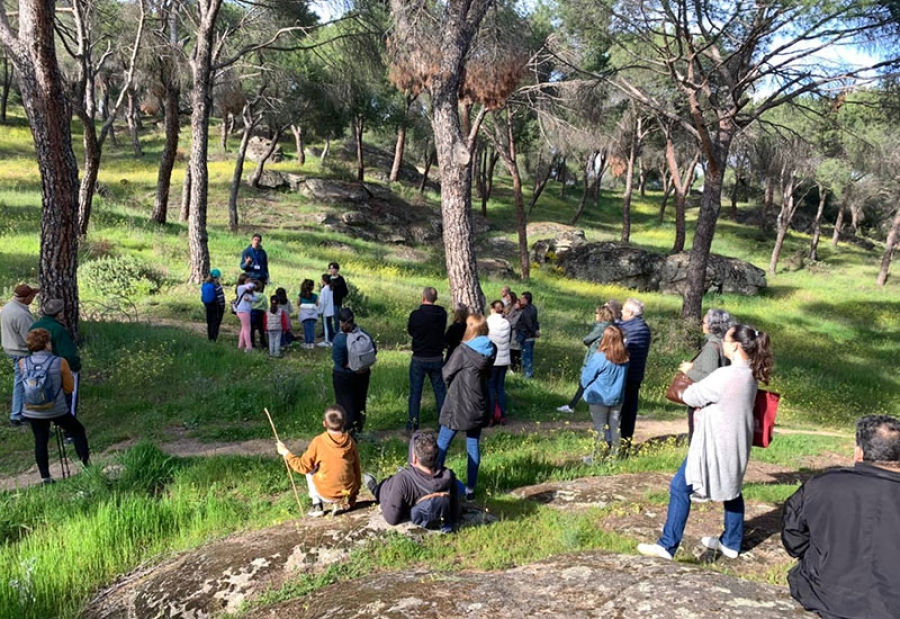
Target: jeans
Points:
(472, 448)
(680, 509)
(274, 343)
(41, 430)
(606, 423)
(528, 358)
(418, 370)
(329, 328)
(309, 330)
(335, 321)
(18, 399)
(214, 314)
(497, 389)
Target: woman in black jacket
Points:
(465, 409)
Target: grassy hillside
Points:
(149, 373)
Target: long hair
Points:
(460, 313)
(605, 314)
(306, 288)
(273, 304)
(613, 345)
(758, 347)
(476, 325)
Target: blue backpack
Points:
(39, 394)
(433, 511)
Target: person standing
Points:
(842, 526)
(245, 296)
(351, 387)
(213, 298)
(62, 344)
(339, 292)
(716, 324)
(326, 310)
(637, 341)
(426, 327)
(603, 317)
(15, 321)
(258, 309)
(527, 331)
(499, 334)
(254, 261)
(456, 330)
(308, 314)
(512, 313)
(603, 378)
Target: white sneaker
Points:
(317, 511)
(565, 408)
(588, 460)
(322, 344)
(713, 543)
(654, 550)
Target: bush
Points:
(357, 301)
(120, 276)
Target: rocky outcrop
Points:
(257, 148)
(274, 179)
(588, 584)
(623, 264)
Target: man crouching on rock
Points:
(423, 492)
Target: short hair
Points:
(606, 313)
(426, 449)
(527, 297)
(498, 306)
(334, 265)
(718, 322)
(615, 307)
(256, 235)
(429, 294)
(37, 340)
(634, 306)
(613, 345)
(334, 417)
(879, 438)
(476, 325)
(346, 315)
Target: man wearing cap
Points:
(213, 298)
(15, 321)
(63, 345)
(254, 260)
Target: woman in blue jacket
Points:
(604, 388)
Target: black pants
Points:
(41, 430)
(350, 392)
(214, 314)
(257, 325)
(577, 397)
(515, 359)
(629, 410)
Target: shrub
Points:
(357, 301)
(120, 276)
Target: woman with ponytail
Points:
(720, 447)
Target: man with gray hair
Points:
(15, 321)
(637, 342)
(426, 326)
(843, 526)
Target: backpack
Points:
(361, 351)
(433, 511)
(39, 393)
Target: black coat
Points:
(426, 326)
(467, 373)
(397, 494)
(844, 526)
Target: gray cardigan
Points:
(708, 360)
(723, 431)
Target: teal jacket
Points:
(63, 346)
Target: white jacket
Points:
(326, 302)
(499, 332)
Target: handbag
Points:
(764, 410)
(675, 392)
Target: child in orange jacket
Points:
(331, 465)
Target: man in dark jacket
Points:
(424, 492)
(62, 343)
(255, 261)
(637, 341)
(339, 292)
(843, 526)
(426, 326)
(527, 330)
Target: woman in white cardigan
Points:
(720, 448)
(499, 331)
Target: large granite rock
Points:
(623, 264)
(588, 584)
(257, 148)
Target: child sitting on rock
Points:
(331, 465)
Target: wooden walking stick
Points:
(287, 466)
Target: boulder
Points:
(257, 148)
(326, 190)
(495, 267)
(274, 179)
(611, 262)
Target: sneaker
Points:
(47, 481)
(470, 495)
(322, 344)
(713, 543)
(565, 408)
(338, 508)
(654, 550)
(698, 498)
(16, 420)
(588, 460)
(316, 512)
(370, 482)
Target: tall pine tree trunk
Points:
(358, 128)
(167, 159)
(5, 88)
(186, 192)
(132, 112)
(889, 246)
(298, 144)
(626, 196)
(838, 224)
(817, 225)
(249, 123)
(92, 152)
(261, 164)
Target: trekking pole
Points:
(63, 458)
(286, 465)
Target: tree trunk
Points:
(788, 207)
(4, 89)
(132, 112)
(167, 160)
(186, 190)
(325, 151)
(562, 174)
(45, 100)
(642, 178)
(626, 196)
(298, 144)
(92, 152)
(734, 198)
(838, 224)
(768, 200)
(667, 192)
(817, 225)
(225, 130)
(588, 167)
(249, 123)
(489, 180)
(889, 246)
(358, 128)
(399, 147)
(429, 161)
(257, 174)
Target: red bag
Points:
(764, 410)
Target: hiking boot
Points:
(565, 408)
(654, 550)
(370, 482)
(713, 543)
(317, 511)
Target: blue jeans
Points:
(472, 448)
(18, 399)
(497, 389)
(417, 372)
(528, 358)
(680, 509)
(309, 330)
(328, 327)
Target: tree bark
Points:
(358, 128)
(429, 161)
(817, 225)
(132, 112)
(325, 151)
(889, 247)
(588, 167)
(225, 130)
(298, 144)
(642, 178)
(257, 174)
(788, 208)
(626, 196)
(185, 214)
(167, 159)
(768, 201)
(489, 180)
(398, 154)
(46, 104)
(249, 123)
(838, 224)
(92, 151)
(4, 89)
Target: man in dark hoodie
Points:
(424, 492)
(426, 326)
(637, 341)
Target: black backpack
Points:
(433, 511)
